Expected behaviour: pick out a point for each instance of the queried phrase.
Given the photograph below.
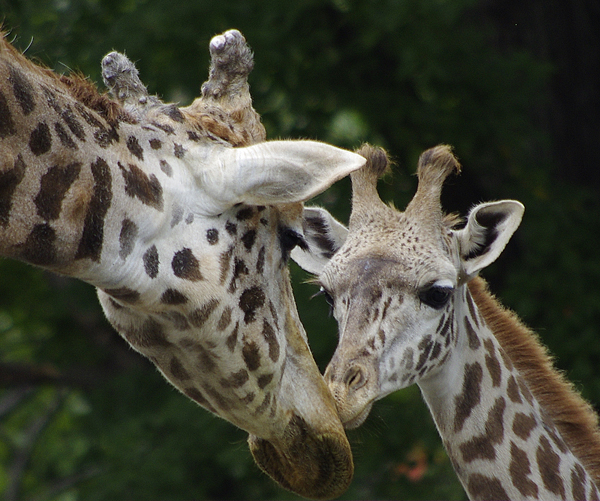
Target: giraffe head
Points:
(394, 277)
(184, 219)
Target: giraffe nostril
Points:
(355, 378)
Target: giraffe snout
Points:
(315, 464)
(351, 386)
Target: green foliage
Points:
(404, 74)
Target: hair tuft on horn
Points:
(435, 165)
(365, 178)
(377, 161)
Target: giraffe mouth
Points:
(315, 466)
(354, 421)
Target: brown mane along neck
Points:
(573, 416)
(79, 87)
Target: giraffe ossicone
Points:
(411, 309)
(183, 218)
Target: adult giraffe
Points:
(411, 309)
(183, 218)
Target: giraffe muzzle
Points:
(352, 389)
(311, 464)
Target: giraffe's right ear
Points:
(275, 172)
(323, 235)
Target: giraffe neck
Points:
(503, 443)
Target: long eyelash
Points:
(323, 292)
(313, 281)
(320, 292)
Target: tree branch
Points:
(13, 398)
(67, 482)
(23, 454)
(26, 375)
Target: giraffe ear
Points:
(323, 235)
(489, 228)
(276, 172)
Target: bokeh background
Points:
(514, 85)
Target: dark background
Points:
(513, 85)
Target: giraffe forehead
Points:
(397, 237)
(369, 276)
(398, 260)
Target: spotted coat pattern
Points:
(125, 195)
(399, 288)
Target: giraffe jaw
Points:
(313, 465)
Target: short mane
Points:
(76, 85)
(574, 417)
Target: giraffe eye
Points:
(436, 296)
(288, 239)
(327, 296)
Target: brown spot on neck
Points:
(519, 470)
(470, 396)
(485, 488)
(251, 300)
(92, 238)
(549, 466)
(186, 266)
(483, 446)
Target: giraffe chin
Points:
(315, 466)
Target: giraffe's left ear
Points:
(323, 235)
(489, 228)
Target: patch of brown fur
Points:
(87, 94)
(237, 126)
(574, 417)
(77, 86)
(224, 131)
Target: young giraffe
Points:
(411, 309)
(185, 226)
